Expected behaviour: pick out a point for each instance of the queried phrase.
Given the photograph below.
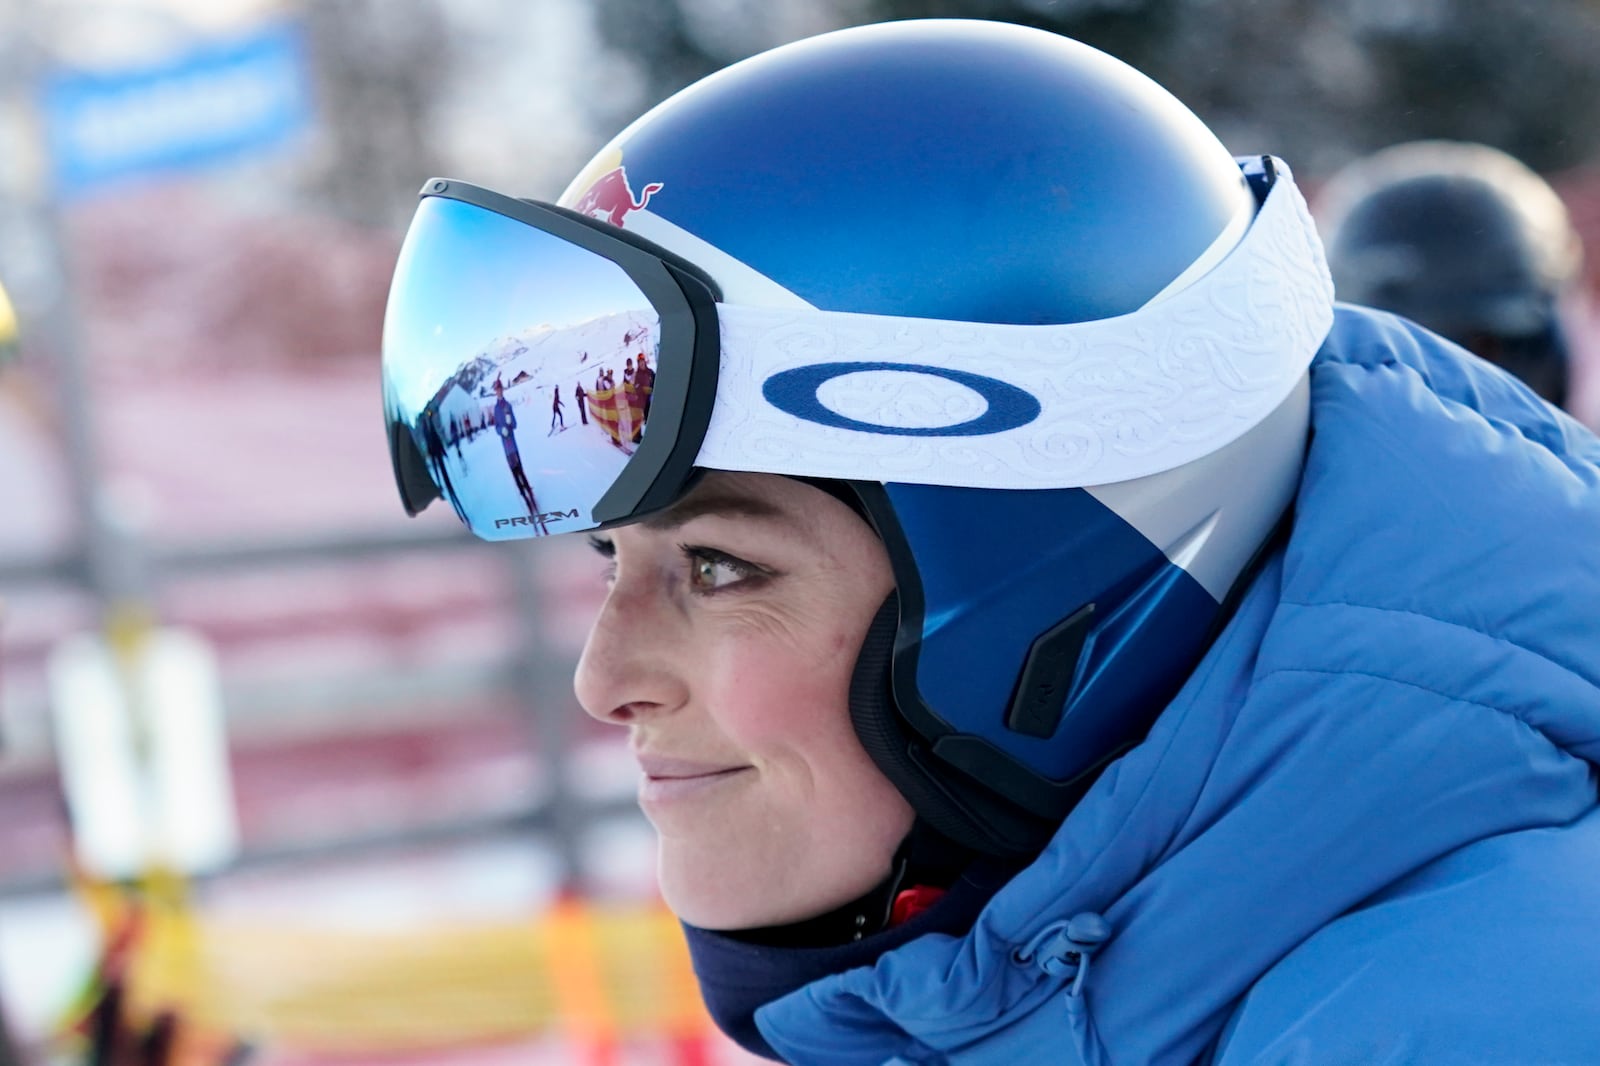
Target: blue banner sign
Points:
(211, 105)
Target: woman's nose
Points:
(627, 669)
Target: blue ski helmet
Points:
(994, 288)
(1464, 240)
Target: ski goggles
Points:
(546, 372)
(542, 372)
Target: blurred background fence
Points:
(200, 203)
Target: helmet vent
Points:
(1047, 676)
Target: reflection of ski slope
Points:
(567, 470)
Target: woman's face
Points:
(725, 646)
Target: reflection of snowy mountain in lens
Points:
(567, 463)
(555, 354)
(475, 373)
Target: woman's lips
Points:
(670, 780)
(655, 765)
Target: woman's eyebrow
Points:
(723, 506)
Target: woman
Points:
(1048, 629)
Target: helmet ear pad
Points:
(936, 704)
(954, 805)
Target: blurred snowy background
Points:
(193, 424)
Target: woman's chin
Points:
(708, 897)
(704, 888)
(707, 891)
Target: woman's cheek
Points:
(769, 698)
(776, 674)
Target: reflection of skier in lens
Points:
(505, 424)
(626, 430)
(555, 412)
(434, 445)
(644, 381)
(631, 400)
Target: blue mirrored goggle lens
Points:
(520, 365)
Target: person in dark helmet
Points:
(1465, 240)
(1048, 628)
(434, 445)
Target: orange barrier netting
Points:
(596, 975)
(620, 411)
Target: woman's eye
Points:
(607, 551)
(711, 570)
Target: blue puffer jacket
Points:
(1366, 830)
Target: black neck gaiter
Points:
(739, 973)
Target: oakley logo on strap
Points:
(796, 392)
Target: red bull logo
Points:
(611, 198)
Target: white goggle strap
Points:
(924, 401)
